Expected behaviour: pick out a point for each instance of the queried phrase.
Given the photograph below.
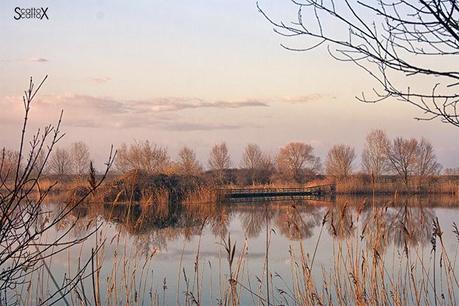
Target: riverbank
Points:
(140, 187)
(390, 185)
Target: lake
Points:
(357, 250)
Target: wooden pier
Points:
(271, 193)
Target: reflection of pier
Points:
(272, 193)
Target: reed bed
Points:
(365, 271)
(389, 185)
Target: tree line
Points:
(294, 162)
(73, 160)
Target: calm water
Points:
(148, 251)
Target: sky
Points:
(189, 73)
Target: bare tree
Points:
(265, 171)
(219, 160)
(402, 155)
(339, 161)
(60, 162)
(188, 164)
(258, 164)
(374, 156)
(252, 158)
(79, 154)
(142, 156)
(426, 161)
(123, 162)
(295, 160)
(451, 171)
(402, 45)
(42, 164)
(24, 223)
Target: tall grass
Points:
(361, 184)
(365, 272)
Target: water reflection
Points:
(403, 222)
(404, 226)
(297, 222)
(340, 222)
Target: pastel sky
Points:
(188, 73)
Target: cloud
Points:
(30, 59)
(165, 113)
(151, 106)
(168, 113)
(174, 104)
(37, 60)
(100, 80)
(304, 99)
(225, 104)
(193, 126)
(162, 113)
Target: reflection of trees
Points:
(385, 220)
(298, 223)
(376, 229)
(340, 221)
(153, 230)
(254, 218)
(404, 226)
(252, 222)
(411, 226)
(78, 219)
(220, 220)
(152, 226)
(293, 219)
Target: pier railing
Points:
(276, 192)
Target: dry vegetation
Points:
(392, 185)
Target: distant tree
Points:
(60, 162)
(252, 158)
(42, 168)
(265, 171)
(144, 156)
(9, 163)
(92, 176)
(295, 160)
(402, 154)
(374, 156)
(122, 162)
(219, 160)
(451, 171)
(79, 153)
(426, 161)
(187, 163)
(258, 164)
(339, 161)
